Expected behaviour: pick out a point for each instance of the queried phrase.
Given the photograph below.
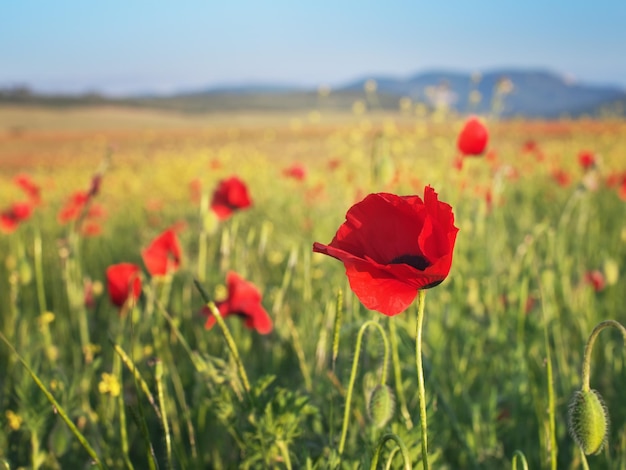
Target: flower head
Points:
(473, 137)
(123, 283)
(297, 172)
(73, 207)
(29, 187)
(230, 195)
(596, 279)
(392, 246)
(587, 160)
(11, 217)
(163, 255)
(244, 300)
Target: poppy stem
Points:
(406, 459)
(420, 377)
(227, 336)
(588, 348)
(355, 365)
(397, 373)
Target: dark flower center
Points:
(416, 261)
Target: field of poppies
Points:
(320, 290)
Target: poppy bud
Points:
(381, 406)
(588, 421)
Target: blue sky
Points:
(124, 46)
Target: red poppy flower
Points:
(163, 255)
(11, 217)
(73, 207)
(562, 177)
(123, 283)
(587, 160)
(195, 190)
(473, 137)
(596, 279)
(91, 229)
(244, 300)
(27, 185)
(392, 246)
(231, 195)
(297, 172)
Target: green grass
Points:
(499, 370)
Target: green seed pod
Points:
(381, 406)
(588, 421)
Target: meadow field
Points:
(97, 375)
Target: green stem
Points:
(203, 237)
(337, 326)
(583, 459)
(158, 375)
(123, 432)
(406, 459)
(37, 253)
(420, 377)
(392, 455)
(551, 405)
(518, 454)
(227, 336)
(588, 348)
(355, 365)
(397, 373)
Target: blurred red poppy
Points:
(596, 279)
(587, 160)
(244, 300)
(231, 195)
(163, 255)
(297, 172)
(73, 207)
(195, 190)
(11, 217)
(29, 187)
(562, 177)
(392, 246)
(473, 137)
(123, 283)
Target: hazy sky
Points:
(122, 46)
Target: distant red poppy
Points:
(562, 177)
(231, 195)
(11, 217)
(587, 160)
(297, 172)
(123, 283)
(29, 187)
(73, 207)
(333, 164)
(91, 229)
(596, 279)
(163, 255)
(392, 246)
(457, 163)
(473, 137)
(244, 300)
(621, 192)
(195, 190)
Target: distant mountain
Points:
(515, 92)
(530, 93)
